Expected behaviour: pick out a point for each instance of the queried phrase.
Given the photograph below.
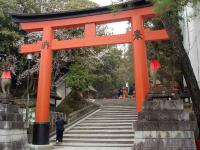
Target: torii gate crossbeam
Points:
(88, 19)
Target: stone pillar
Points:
(13, 131)
(164, 125)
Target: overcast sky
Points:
(116, 28)
(104, 2)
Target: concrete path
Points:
(109, 128)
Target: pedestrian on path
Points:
(116, 93)
(59, 129)
(124, 92)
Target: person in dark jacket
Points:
(59, 129)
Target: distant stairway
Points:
(106, 129)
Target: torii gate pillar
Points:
(140, 61)
(41, 125)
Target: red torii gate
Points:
(135, 13)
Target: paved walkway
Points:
(109, 128)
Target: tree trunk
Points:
(171, 24)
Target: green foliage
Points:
(10, 35)
(80, 4)
(83, 67)
(162, 6)
(170, 67)
(106, 73)
(79, 77)
(44, 6)
(126, 69)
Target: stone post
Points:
(164, 125)
(13, 131)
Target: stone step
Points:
(97, 140)
(121, 107)
(117, 112)
(106, 124)
(101, 131)
(109, 121)
(104, 136)
(80, 144)
(115, 115)
(97, 137)
(103, 128)
(112, 118)
(91, 148)
(122, 110)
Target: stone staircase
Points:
(109, 128)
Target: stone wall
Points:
(164, 125)
(13, 133)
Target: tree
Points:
(170, 16)
(106, 77)
(64, 62)
(10, 38)
(170, 67)
(79, 77)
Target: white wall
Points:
(191, 34)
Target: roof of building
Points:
(135, 4)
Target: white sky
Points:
(104, 2)
(116, 28)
